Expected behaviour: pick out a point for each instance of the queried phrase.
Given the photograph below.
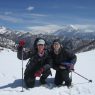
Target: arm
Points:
(71, 57)
(49, 61)
(20, 51)
(26, 54)
(70, 60)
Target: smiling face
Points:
(40, 47)
(56, 46)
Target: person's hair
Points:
(56, 40)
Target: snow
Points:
(10, 76)
(2, 29)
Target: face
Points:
(56, 46)
(40, 47)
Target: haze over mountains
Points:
(73, 37)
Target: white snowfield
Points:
(11, 73)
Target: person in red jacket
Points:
(39, 62)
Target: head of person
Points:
(41, 45)
(56, 45)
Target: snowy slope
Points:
(10, 77)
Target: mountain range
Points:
(71, 37)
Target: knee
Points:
(58, 82)
(47, 72)
(30, 82)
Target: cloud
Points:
(44, 29)
(7, 13)
(30, 8)
(23, 18)
(86, 28)
(81, 7)
(52, 28)
(76, 19)
(10, 19)
(38, 15)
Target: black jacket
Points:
(35, 61)
(64, 56)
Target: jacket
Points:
(35, 62)
(63, 58)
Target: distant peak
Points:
(3, 27)
(73, 27)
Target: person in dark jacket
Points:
(63, 63)
(39, 62)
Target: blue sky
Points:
(23, 14)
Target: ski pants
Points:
(62, 75)
(29, 78)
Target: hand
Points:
(38, 73)
(42, 69)
(61, 67)
(71, 67)
(21, 43)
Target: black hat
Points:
(57, 40)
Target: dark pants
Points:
(62, 75)
(29, 78)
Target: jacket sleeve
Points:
(70, 60)
(48, 62)
(26, 54)
(71, 57)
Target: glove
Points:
(46, 67)
(71, 67)
(38, 73)
(21, 43)
(62, 67)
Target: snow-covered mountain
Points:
(72, 31)
(72, 36)
(83, 31)
(65, 30)
(10, 76)
(4, 40)
(4, 30)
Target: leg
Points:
(30, 82)
(44, 76)
(58, 78)
(66, 77)
(28, 79)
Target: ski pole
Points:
(71, 76)
(82, 76)
(22, 71)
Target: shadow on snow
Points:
(18, 83)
